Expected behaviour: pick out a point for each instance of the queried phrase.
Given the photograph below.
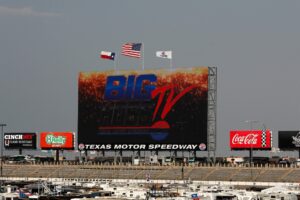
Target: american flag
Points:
(132, 50)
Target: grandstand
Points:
(201, 173)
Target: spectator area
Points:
(205, 173)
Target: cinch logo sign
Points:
(51, 139)
(13, 137)
(20, 140)
(18, 137)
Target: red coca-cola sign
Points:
(247, 139)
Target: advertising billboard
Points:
(143, 110)
(289, 140)
(19, 140)
(57, 140)
(250, 139)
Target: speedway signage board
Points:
(289, 140)
(251, 139)
(57, 140)
(20, 140)
(143, 110)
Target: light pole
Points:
(2, 143)
(251, 149)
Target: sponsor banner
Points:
(160, 147)
(289, 139)
(147, 107)
(251, 139)
(20, 140)
(57, 140)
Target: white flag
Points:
(164, 54)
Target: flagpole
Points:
(115, 62)
(171, 59)
(143, 61)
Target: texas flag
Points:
(107, 55)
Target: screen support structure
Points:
(57, 155)
(118, 154)
(102, 153)
(212, 114)
(192, 154)
(136, 154)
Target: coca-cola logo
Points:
(250, 139)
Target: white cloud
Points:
(25, 11)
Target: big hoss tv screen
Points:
(143, 110)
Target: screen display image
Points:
(143, 110)
(289, 140)
(251, 139)
(57, 140)
(20, 140)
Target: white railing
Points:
(97, 164)
(69, 181)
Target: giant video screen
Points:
(143, 110)
(289, 140)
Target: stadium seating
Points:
(203, 173)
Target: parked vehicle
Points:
(17, 159)
(274, 160)
(43, 159)
(284, 162)
(297, 163)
